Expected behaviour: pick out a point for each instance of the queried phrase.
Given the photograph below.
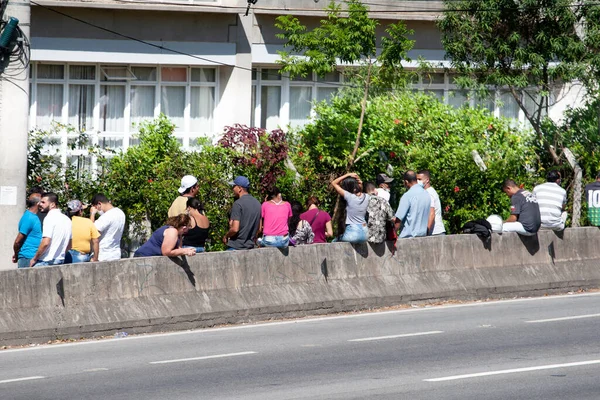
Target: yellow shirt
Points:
(179, 206)
(84, 231)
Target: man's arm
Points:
(431, 220)
(234, 228)
(44, 244)
(19, 240)
(95, 248)
(512, 218)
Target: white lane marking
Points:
(563, 318)
(395, 336)
(512, 371)
(95, 369)
(28, 378)
(204, 358)
(299, 321)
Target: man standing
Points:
(30, 233)
(413, 210)
(524, 210)
(245, 217)
(592, 194)
(56, 233)
(552, 199)
(110, 224)
(189, 188)
(435, 224)
(380, 213)
(84, 236)
(383, 183)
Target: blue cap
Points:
(241, 181)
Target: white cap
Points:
(187, 182)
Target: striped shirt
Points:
(551, 199)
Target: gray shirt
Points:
(356, 208)
(524, 205)
(246, 209)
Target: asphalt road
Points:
(545, 348)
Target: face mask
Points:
(421, 183)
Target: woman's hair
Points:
(312, 200)
(195, 204)
(294, 220)
(273, 193)
(179, 221)
(350, 185)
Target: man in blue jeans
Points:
(30, 233)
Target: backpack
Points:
(480, 227)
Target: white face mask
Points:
(420, 182)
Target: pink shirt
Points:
(276, 218)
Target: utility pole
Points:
(14, 110)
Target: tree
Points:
(528, 47)
(347, 37)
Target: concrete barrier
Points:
(158, 293)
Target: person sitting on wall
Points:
(413, 210)
(592, 195)
(30, 233)
(188, 189)
(198, 233)
(379, 212)
(552, 200)
(275, 214)
(435, 224)
(244, 220)
(56, 233)
(383, 186)
(352, 224)
(85, 245)
(300, 230)
(319, 220)
(524, 210)
(166, 240)
(110, 224)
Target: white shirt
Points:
(438, 224)
(551, 199)
(381, 192)
(57, 227)
(111, 225)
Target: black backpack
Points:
(480, 227)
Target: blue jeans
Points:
(275, 241)
(74, 257)
(48, 263)
(355, 233)
(23, 262)
(198, 249)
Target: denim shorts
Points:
(48, 263)
(275, 241)
(355, 233)
(23, 262)
(74, 257)
(198, 249)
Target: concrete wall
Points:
(152, 294)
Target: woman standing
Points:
(198, 233)
(165, 240)
(319, 220)
(275, 214)
(353, 226)
(300, 230)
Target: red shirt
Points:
(317, 224)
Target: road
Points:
(543, 348)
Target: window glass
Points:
(437, 93)
(429, 79)
(509, 107)
(326, 93)
(49, 104)
(300, 105)
(172, 74)
(458, 98)
(142, 105)
(202, 105)
(269, 106)
(329, 77)
(270, 75)
(172, 104)
(112, 106)
(81, 106)
(82, 72)
(50, 71)
(203, 75)
(110, 142)
(146, 74)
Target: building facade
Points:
(103, 66)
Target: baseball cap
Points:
(187, 182)
(241, 181)
(383, 178)
(75, 206)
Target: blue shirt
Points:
(413, 211)
(153, 247)
(31, 227)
